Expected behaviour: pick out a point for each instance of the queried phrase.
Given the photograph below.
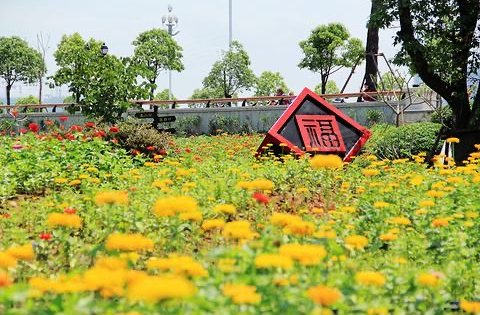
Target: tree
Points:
(102, 84)
(156, 51)
(371, 49)
(440, 42)
(231, 74)
(18, 62)
(331, 88)
(206, 93)
(27, 100)
(164, 96)
(328, 49)
(268, 83)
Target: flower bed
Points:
(209, 229)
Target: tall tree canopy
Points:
(156, 51)
(232, 73)
(18, 62)
(328, 49)
(440, 42)
(102, 84)
(269, 82)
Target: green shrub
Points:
(374, 117)
(392, 142)
(231, 125)
(187, 126)
(443, 115)
(138, 137)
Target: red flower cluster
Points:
(45, 236)
(90, 124)
(33, 127)
(260, 197)
(69, 210)
(114, 129)
(63, 118)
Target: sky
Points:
(270, 31)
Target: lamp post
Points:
(104, 50)
(230, 25)
(171, 22)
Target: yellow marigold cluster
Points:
(212, 224)
(238, 230)
(428, 279)
(170, 206)
(370, 278)
(356, 241)
(181, 265)
(388, 237)
(292, 224)
(400, 221)
(324, 295)
(153, 289)
(472, 307)
(162, 184)
(113, 197)
(65, 220)
(381, 204)
(265, 261)
(426, 203)
(305, 254)
(225, 208)
(440, 222)
(24, 252)
(416, 180)
(7, 260)
(257, 184)
(128, 242)
(329, 161)
(242, 294)
(368, 172)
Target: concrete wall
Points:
(257, 118)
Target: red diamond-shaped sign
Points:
(311, 124)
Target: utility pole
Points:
(230, 24)
(171, 22)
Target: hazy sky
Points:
(270, 31)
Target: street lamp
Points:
(230, 24)
(104, 49)
(171, 22)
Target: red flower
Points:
(99, 133)
(63, 118)
(6, 215)
(17, 146)
(34, 127)
(114, 129)
(188, 150)
(135, 152)
(69, 210)
(260, 197)
(162, 152)
(23, 130)
(48, 122)
(45, 236)
(90, 124)
(76, 128)
(150, 148)
(14, 113)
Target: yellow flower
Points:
(114, 197)
(283, 219)
(428, 279)
(75, 182)
(170, 206)
(60, 180)
(378, 311)
(370, 278)
(305, 254)
(427, 203)
(381, 204)
(299, 228)
(320, 161)
(238, 230)
(388, 237)
(264, 261)
(225, 208)
(323, 295)
(7, 260)
(400, 221)
(368, 172)
(181, 265)
(63, 219)
(24, 252)
(128, 242)
(158, 288)
(208, 225)
(226, 265)
(242, 294)
(453, 140)
(191, 216)
(436, 194)
(472, 307)
(258, 184)
(111, 263)
(356, 241)
(440, 222)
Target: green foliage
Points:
(163, 96)
(18, 62)
(328, 49)
(269, 82)
(27, 100)
(232, 73)
(187, 126)
(390, 82)
(390, 142)
(374, 117)
(443, 115)
(103, 84)
(227, 124)
(331, 88)
(33, 168)
(138, 137)
(156, 51)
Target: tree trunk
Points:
(152, 89)
(371, 51)
(40, 82)
(8, 88)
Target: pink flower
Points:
(17, 146)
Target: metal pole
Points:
(230, 37)
(169, 84)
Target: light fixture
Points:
(104, 49)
